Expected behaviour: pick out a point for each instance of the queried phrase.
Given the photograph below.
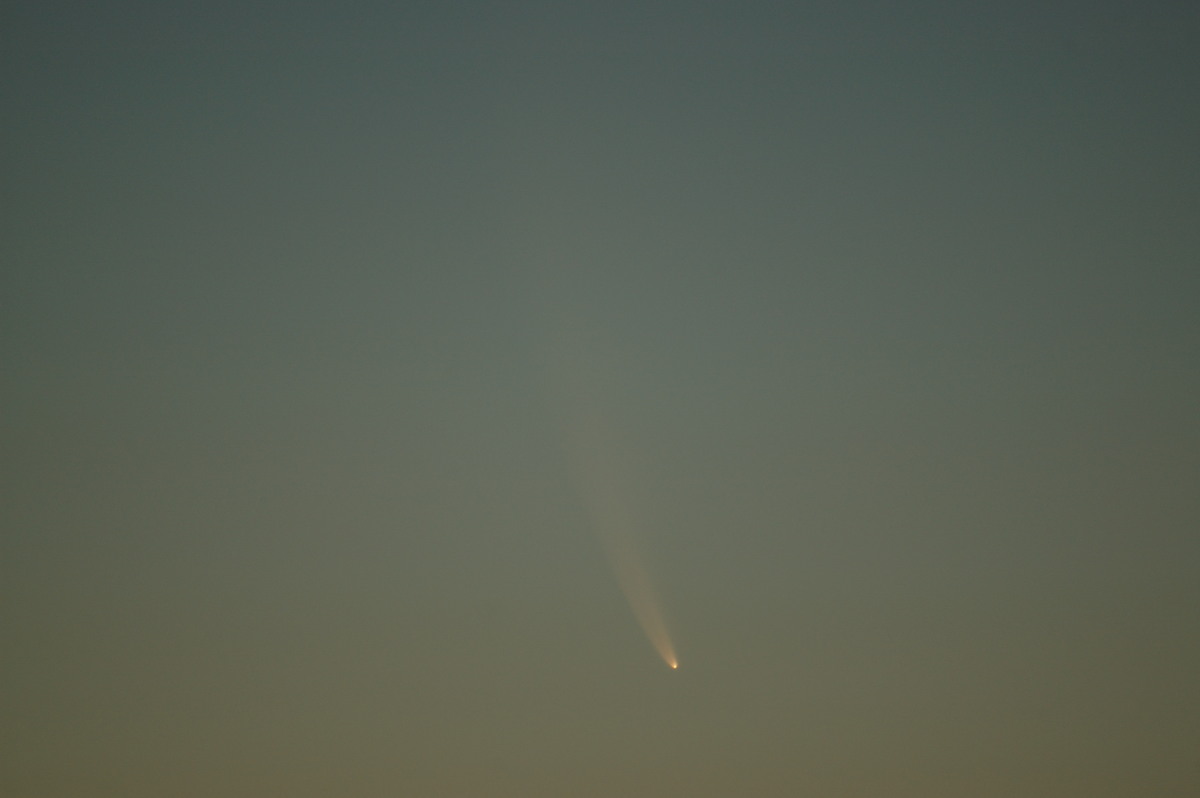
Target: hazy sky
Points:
(342, 340)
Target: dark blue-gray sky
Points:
(890, 310)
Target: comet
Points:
(592, 454)
(635, 584)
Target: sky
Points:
(382, 382)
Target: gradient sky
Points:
(888, 313)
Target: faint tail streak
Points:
(596, 477)
(635, 584)
(590, 445)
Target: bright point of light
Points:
(674, 666)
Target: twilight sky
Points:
(357, 356)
